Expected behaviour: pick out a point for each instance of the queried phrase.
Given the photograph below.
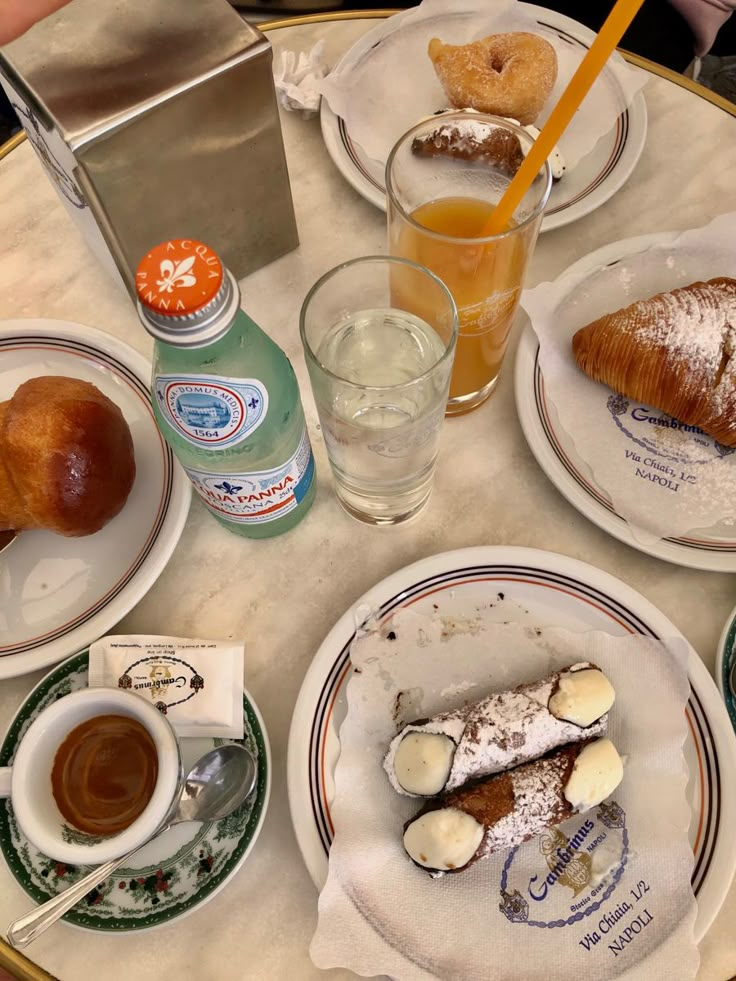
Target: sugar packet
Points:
(196, 684)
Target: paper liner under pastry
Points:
(508, 808)
(499, 732)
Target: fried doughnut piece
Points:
(505, 74)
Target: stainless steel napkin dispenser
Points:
(157, 120)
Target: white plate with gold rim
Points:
(554, 448)
(539, 589)
(59, 594)
(595, 179)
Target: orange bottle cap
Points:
(178, 277)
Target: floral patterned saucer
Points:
(726, 665)
(172, 875)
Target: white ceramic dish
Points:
(554, 449)
(59, 594)
(538, 588)
(596, 178)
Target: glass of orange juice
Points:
(443, 180)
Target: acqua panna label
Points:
(212, 413)
(260, 496)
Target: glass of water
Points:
(379, 336)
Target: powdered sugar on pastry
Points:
(506, 74)
(470, 141)
(509, 808)
(536, 790)
(693, 322)
(492, 735)
(675, 352)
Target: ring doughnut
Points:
(504, 74)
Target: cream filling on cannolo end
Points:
(444, 840)
(423, 761)
(598, 770)
(582, 697)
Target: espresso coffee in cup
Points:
(104, 774)
(94, 776)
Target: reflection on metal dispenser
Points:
(153, 118)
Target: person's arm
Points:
(705, 17)
(16, 16)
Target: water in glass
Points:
(380, 425)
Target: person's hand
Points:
(16, 16)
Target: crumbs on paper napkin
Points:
(393, 84)
(663, 478)
(297, 79)
(606, 894)
(196, 684)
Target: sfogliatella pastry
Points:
(504, 810)
(505, 74)
(675, 352)
(506, 728)
(66, 457)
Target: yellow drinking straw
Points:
(590, 67)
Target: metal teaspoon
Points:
(216, 785)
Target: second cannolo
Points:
(505, 810)
(438, 755)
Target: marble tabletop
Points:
(284, 594)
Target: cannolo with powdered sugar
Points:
(504, 810)
(504, 729)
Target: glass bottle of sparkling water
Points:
(224, 395)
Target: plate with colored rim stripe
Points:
(539, 589)
(595, 179)
(725, 662)
(171, 876)
(554, 449)
(58, 594)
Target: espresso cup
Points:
(28, 781)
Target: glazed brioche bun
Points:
(66, 457)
